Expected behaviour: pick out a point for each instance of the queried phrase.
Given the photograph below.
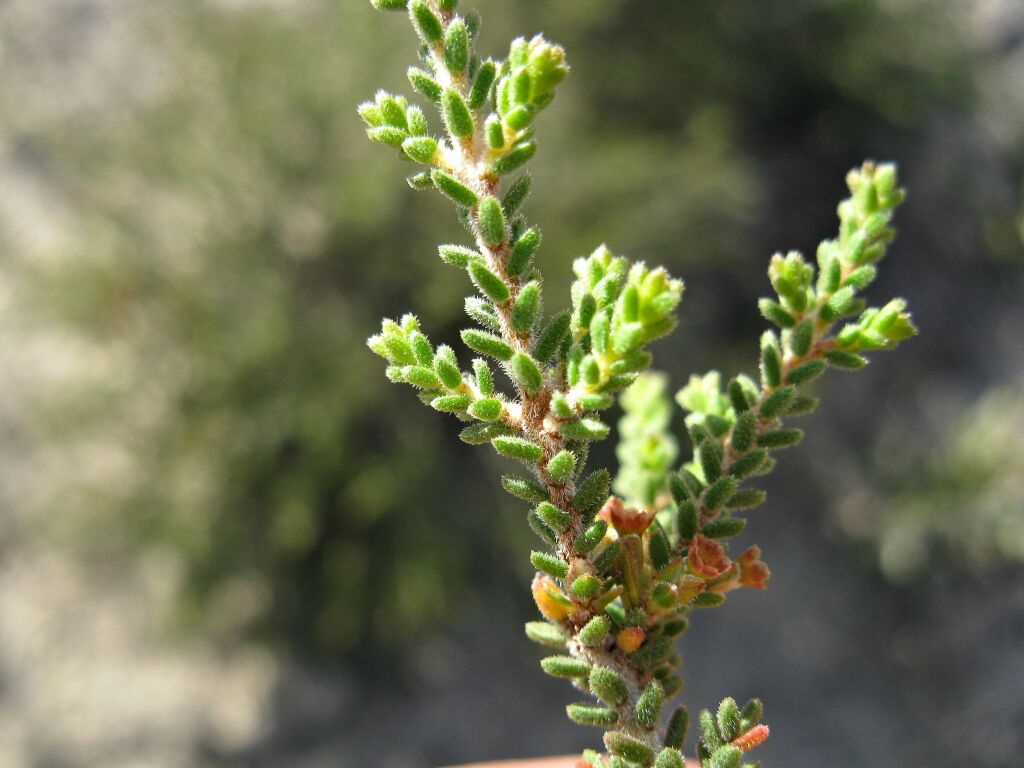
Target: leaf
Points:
(452, 188)
(487, 344)
(545, 633)
(522, 487)
(517, 448)
(549, 564)
(565, 666)
(492, 221)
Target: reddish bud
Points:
(753, 572)
(629, 639)
(755, 737)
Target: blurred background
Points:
(225, 540)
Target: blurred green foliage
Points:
(234, 241)
(963, 504)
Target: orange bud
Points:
(630, 639)
(753, 572)
(755, 737)
(550, 600)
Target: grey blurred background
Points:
(226, 541)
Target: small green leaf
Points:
(802, 404)
(584, 429)
(653, 652)
(486, 409)
(549, 564)
(687, 520)
(746, 498)
(456, 46)
(449, 373)
(747, 465)
(753, 711)
(592, 492)
(422, 149)
(416, 120)
(709, 730)
(545, 633)
(846, 360)
(514, 159)
(586, 587)
(724, 528)
(648, 705)
(680, 490)
(478, 434)
(561, 466)
(622, 745)
(802, 337)
(524, 488)
(738, 396)
(522, 252)
(484, 379)
(494, 131)
(487, 344)
(806, 372)
(517, 448)
(607, 557)
(565, 666)
(482, 84)
(840, 303)
(590, 538)
(595, 632)
(608, 686)
(774, 313)
(780, 438)
(526, 373)
(588, 714)
(771, 361)
(726, 757)
(678, 725)
(492, 221)
(527, 304)
(669, 758)
(516, 195)
(658, 546)
(483, 312)
(386, 134)
(776, 402)
(452, 188)
(420, 376)
(425, 21)
(719, 492)
(728, 719)
(425, 84)
(710, 455)
(488, 283)
(457, 256)
(744, 431)
(457, 117)
(552, 336)
(555, 518)
(450, 403)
